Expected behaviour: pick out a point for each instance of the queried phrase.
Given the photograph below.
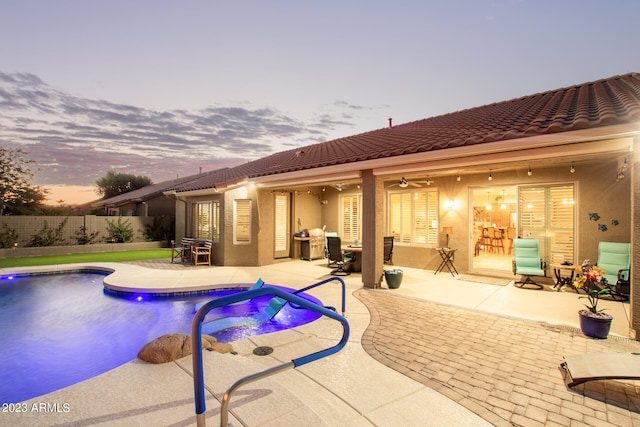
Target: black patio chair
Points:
(388, 250)
(337, 257)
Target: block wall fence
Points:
(25, 227)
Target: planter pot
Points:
(595, 326)
(393, 278)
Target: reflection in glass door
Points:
(494, 221)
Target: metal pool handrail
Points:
(196, 345)
(344, 290)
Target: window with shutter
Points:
(241, 221)
(413, 217)
(207, 217)
(351, 218)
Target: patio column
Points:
(372, 229)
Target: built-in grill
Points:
(313, 248)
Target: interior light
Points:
(572, 170)
(458, 178)
(490, 177)
(529, 172)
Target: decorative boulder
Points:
(170, 347)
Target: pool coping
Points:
(121, 277)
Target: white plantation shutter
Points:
(420, 221)
(241, 221)
(413, 217)
(432, 218)
(400, 217)
(351, 217)
(207, 220)
(203, 220)
(561, 219)
(547, 213)
(282, 216)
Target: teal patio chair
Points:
(615, 259)
(527, 262)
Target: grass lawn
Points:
(121, 256)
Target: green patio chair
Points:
(615, 259)
(527, 261)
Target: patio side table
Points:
(566, 279)
(447, 260)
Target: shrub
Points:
(48, 236)
(156, 231)
(120, 231)
(83, 238)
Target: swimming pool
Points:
(60, 329)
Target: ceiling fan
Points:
(403, 183)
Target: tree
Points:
(114, 183)
(17, 195)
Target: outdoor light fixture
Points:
(529, 172)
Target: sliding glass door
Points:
(547, 213)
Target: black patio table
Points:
(447, 260)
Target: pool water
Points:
(60, 329)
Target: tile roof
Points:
(147, 192)
(611, 101)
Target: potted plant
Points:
(594, 322)
(393, 277)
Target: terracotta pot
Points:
(595, 326)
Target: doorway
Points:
(282, 226)
(500, 214)
(494, 222)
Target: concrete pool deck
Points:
(397, 368)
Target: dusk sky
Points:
(166, 88)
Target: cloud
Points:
(76, 140)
